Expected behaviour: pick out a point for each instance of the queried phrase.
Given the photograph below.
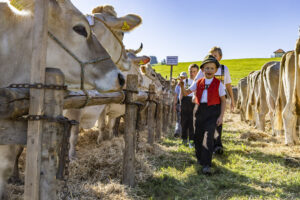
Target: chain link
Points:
(39, 86)
(63, 166)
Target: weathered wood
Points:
(116, 127)
(78, 99)
(52, 135)
(159, 115)
(165, 114)
(151, 115)
(15, 102)
(13, 132)
(171, 109)
(37, 74)
(130, 133)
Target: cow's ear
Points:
(125, 24)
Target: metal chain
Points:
(63, 166)
(39, 86)
(133, 91)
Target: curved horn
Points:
(139, 49)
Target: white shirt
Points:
(227, 78)
(193, 88)
(187, 83)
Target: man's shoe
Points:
(206, 170)
(176, 135)
(219, 150)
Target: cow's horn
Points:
(139, 49)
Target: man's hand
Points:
(220, 120)
(181, 83)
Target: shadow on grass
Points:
(222, 185)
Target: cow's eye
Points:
(80, 30)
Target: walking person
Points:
(224, 76)
(187, 107)
(210, 97)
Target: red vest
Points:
(213, 96)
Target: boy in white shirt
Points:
(210, 97)
(223, 75)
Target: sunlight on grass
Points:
(243, 172)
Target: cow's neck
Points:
(15, 46)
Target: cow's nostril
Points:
(121, 79)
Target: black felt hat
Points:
(210, 59)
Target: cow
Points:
(251, 90)
(67, 29)
(109, 29)
(287, 103)
(242, 98)
(269, 88)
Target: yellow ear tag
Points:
(16, 4)
(141, 62)
(125, 26)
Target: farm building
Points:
(278, 53)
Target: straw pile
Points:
(97, 172)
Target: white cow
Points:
(242, 98)
(287, 104)
(269, 88)
(113, 111)
(110, 30)
(251, 100)
(71, 28)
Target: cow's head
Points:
(110, 30)
(70, 27)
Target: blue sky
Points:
(189, 28)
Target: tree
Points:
(153, 60)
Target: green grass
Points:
(243, 172)
(238, 68)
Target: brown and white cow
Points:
(288, 102)
(269, 88)
(110, 30)
(242, 98)
(251, 89)
(71, 28)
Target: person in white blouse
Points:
(210, 97)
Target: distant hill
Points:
(238, 68)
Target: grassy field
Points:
(254, 166)
(238, 68)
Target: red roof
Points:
(279, 51)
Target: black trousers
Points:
(205, 126)
(187, 127)
(217, 138)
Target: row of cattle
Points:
(273, 90)
(95, 40)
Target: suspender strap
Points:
(222, 73)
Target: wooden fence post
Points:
(52, 134)
(130, 132)
(170, 109)
(159, 118)
(151, 114)
(34, 136)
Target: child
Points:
(223, 75)
(210, 97)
